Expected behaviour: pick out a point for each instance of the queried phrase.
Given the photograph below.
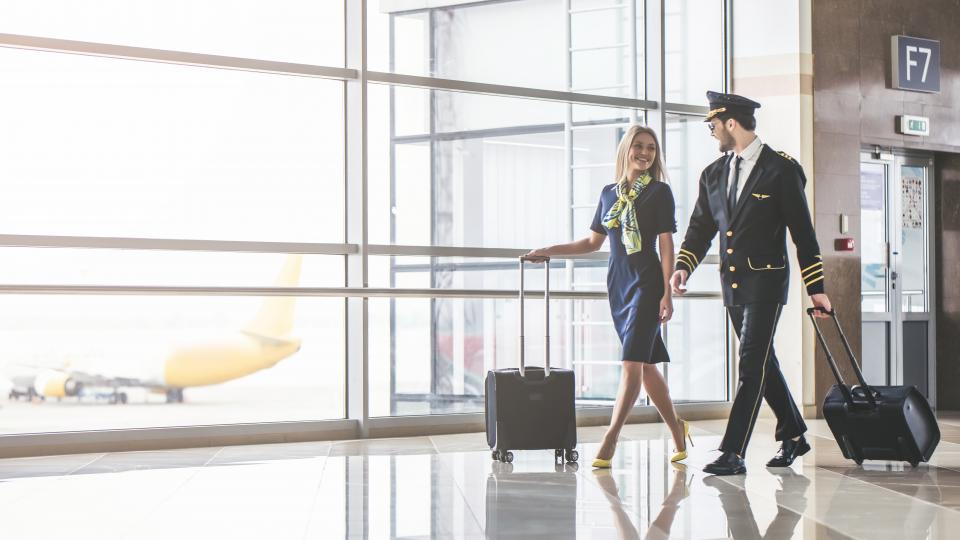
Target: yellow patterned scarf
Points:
(623, 212)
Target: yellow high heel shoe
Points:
(602, 463)
(682, 454)
(599, 463)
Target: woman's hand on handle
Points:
(537, 255)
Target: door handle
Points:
(893, 275)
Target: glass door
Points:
(896, 270)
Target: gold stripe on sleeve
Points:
(804, 271)
(692, 256)
(812, 273)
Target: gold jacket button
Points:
(734, 286)
(729, 251)
(729, 233)
(733, 268)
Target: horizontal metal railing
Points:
(328, 292)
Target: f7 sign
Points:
(916, 63)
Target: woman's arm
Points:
(585, 245)
(666, 263)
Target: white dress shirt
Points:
(750, 155)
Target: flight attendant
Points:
(636, 212)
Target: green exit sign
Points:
(915, 125)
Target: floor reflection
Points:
(661, 525)
(740, 519)
(527, 504)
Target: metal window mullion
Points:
(569, 265)
(542, 94)
(662, 98)
(634, 56)
(728, 45)
(173, 244)
(732, 358)
(355, 212)
(682, 108)
(393, 217)
(608, 7)
(434, 157)
(316, 292)
(598, 47)
(312, 70)
(165, 56)
(660, 117)
(467, 252)
(527, 129)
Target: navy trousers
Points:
(760, 377)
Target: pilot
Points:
(750, 196)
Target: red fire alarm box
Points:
(843, 244)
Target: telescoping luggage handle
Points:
(546, 311)
(833, 364)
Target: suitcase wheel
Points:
(572, 455)
(495, 455)
(558, 454)
(507, 457)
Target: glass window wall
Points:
(146, 201)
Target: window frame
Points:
(355, 248)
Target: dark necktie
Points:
(732, 195)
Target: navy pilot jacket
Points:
(753, 252)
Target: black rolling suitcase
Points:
(877, 422)
(531, 408)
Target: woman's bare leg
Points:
(659, 392)
(631, 381)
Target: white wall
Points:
(773, 64)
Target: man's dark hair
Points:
(746, 121)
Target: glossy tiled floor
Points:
(448, 487)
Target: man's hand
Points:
(678, 282)
(821, 301)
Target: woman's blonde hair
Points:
(657, 171)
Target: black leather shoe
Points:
(789, 451)
(728, 463)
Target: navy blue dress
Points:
(635, 282)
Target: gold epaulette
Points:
(786, 156)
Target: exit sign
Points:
(915, 125)
(916, 63)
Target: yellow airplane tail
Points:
(275, 317)
(261, 345)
